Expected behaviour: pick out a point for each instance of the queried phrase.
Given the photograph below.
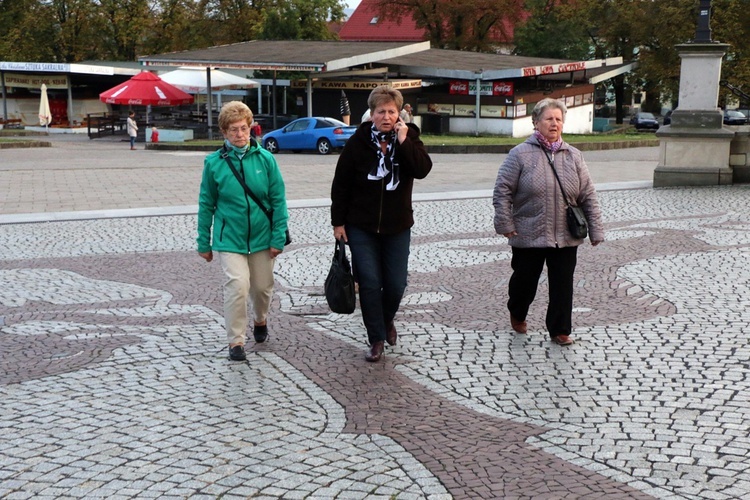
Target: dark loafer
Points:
(518, 326)
(562, 340)
(375, 352)
(237, 353)
(391, 336)
(260, 333)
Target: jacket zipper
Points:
(247, 202)
(557, 243)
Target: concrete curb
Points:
(458, 148)
(25, 144)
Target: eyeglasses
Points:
(236, 130)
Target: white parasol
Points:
(195, 81)
(45, 115)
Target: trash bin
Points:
(436, 123)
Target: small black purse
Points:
(339, 285)
(578, 226)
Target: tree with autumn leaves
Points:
(645, 31)
(121, 30)
(636, 30)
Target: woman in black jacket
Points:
(371, 210)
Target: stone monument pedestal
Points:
(693, 157)
(694, 149)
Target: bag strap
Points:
(225, 154)
(340, 250)
(554, 171)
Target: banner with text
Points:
(36, 81)
(466, 87)
(357, 85)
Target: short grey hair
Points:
(384, 94)
(545, 104)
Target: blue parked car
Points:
(314, 133)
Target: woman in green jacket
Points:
(246, 237)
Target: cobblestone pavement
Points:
(78, 174)
(114, 378)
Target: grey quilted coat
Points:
(527, 197)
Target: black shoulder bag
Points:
(339, 284)
(269, 213)
(574, 216)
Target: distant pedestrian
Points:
(154, 134)
(132, 129)
(256, 131)
(530, 210)
(371, 210)
(406, 115)
(237, 228)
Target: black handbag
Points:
(578, 226)
(339, 285)
(269, 213)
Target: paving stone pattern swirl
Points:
(114, 379)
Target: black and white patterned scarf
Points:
(387, 163)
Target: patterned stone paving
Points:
(114, 379)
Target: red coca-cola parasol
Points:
(146, 89)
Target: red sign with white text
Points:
(460, 87)
(465, 87)
(502, 88)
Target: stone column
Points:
(694, 150)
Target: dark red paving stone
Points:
(473, 455)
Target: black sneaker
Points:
(260, 333)
(237, 353)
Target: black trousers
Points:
(527, 265)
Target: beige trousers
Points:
(246, 275)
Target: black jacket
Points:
(361, 202)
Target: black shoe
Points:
(260, 333)
(375, 352)
(237, 353)
(391, 335)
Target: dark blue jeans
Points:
(380, 263)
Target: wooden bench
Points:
(11, 123)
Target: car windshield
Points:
(647, 116)
(735, 114)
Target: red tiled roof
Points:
(359, 27)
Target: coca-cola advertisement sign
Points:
(460, 87)
(502, 88)
(466, 87)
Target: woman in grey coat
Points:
(530, 211)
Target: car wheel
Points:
(324, 146)
(272, 145)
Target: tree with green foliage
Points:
(178, 25)
(474, 25)
(78, 25)
(125, 24)
(28, 31)
(731, 24)
(301, 20)
(547, 33)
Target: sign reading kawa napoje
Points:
(357, 84)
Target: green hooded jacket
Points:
(239, 225)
